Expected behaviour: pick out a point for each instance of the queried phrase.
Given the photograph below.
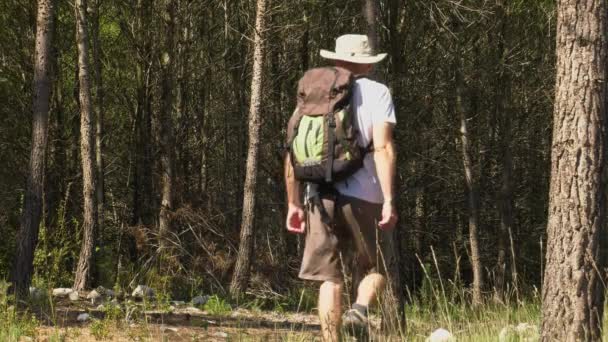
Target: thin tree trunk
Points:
(32, 211)
(84, 269)
(99, 109)
(166, 126)
(392, 299)
(573, 290)
(471, 189)
(240, 277)
(503, 115)
(143, 212)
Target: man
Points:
(362, 210)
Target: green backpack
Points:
(321, 137)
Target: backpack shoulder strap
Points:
(292, 127)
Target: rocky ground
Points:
(104, 315)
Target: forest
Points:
(142, 148)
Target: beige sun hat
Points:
(353, 48)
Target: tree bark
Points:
(84, 269)
(392, 299)
(143, 212)
(503, 114)
(32, 211)
(471, 188)
(240, 277)
(99, 110)
(167, 156)
(573, 290)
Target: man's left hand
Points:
(389, 217)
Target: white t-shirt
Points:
(372, 105)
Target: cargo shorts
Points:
(351, 234)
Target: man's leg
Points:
(370, 289)
(330, 310)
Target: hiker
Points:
(342, 213)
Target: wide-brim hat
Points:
(353, 48)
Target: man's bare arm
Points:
(385, 157)
(292, 186)
(295, 214)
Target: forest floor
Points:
(254, 325)
(56, 319)
(182, 325)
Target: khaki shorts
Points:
(353, 233)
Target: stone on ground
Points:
(36, 293)
(83, 317)
(220, 334)
(166, 328)
(142, 291)
(524, 332)
(440, 335)
(507, 333)
(200, 300)
(527, 332)
(105, 292)
(94, 297)
(62, 292)
(74, 296)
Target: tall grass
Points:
(14, 324)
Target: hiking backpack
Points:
(321, 136)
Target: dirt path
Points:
(180, 325)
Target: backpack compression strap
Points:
(331, 124)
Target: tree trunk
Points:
(143, 212)
(167, 156)
(32, 211)
(502, 100)
(471, 189)
(573, 290)
(240, 276)
(82, 277)
(392, 298)
(99, 109)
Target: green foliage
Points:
(55, 251)
(217, 306)
(100, 329)
(113, 312)
(14, 324)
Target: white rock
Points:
(36, 293)
(220, 334)
(165, 328)
(507, 333)
(83, 317)
(74, 296)
(105, 292)
(200, 300)
(177, 302)
(142, 291)
(191, 310)
(94, 296)
(525, 327)
(62, 292)
(527, 332)
(440, 335)
(100, 307)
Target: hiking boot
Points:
(355, 324)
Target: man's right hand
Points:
(295, 219)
